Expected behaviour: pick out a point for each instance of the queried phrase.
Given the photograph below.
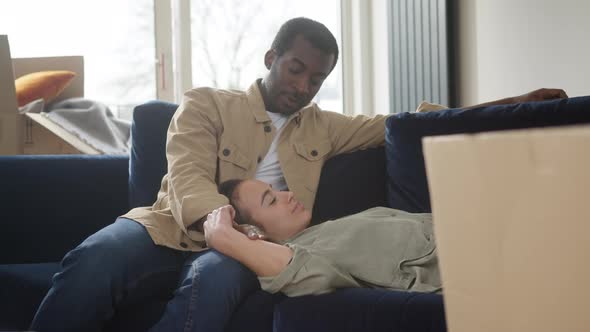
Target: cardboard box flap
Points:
(60, 132)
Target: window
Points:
(115, 37)
(132, 49)
(230, 37)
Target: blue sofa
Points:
(52, 203)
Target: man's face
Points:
(296, 76)
(278, 213)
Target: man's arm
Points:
(351, 133)
(536, 95)
(264, 258)
(191, 152)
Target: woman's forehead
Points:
(251, 191)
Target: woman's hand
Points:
(251, 231)
(219, 227)
(262, 257)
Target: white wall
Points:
(509, 47)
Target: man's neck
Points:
(264, 93)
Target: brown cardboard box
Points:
(35, 133)
(512, 219)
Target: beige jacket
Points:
(217, 135)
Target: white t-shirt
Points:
(269, 169)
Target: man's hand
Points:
(536, 95)
(540, 95)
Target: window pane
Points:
(115, 37)
(230, 37)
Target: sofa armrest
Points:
(52, 203)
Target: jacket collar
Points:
(257, 106)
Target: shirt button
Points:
(314, 153)
(267, 129)
(184, 245)
(226, 152)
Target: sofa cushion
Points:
(147, 162)
(350, 183)
(407, 187)
(255, 313)
(361, 309)
(23, 288)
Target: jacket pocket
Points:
(312, 151)
(230, 153)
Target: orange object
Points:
(44, 84)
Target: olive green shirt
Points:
(380, 247)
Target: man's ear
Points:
(269, 58)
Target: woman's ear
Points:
(269, 58)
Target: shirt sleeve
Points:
(191, 151)
(350, 133)
(307, 274)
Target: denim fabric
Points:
(211, 286)
(120, 266)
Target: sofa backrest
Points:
(406, 174)
(50, 203)
(349, 183)
(147, 160)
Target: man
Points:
(271, 132)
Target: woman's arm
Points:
(264, 258)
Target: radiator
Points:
(419, 61)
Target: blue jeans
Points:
(121, 266)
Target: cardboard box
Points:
(35, 133)
(512, 221)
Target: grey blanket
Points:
(91, 121)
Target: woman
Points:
(379, 247)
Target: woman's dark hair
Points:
(228, 189)
(315, 32)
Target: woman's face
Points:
(278, 213)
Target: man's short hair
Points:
(315, 32)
